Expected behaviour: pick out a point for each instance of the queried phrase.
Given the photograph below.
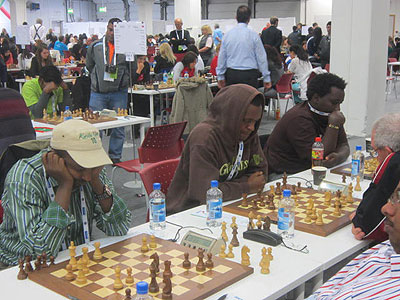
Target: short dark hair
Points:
(294, 28)
(61, 38)
(322, 84)
(299, 51)
(329, 23)
(273, 20)
(25, 23)
(50, 74)
(114, 20)
(243, 14)
(258, 100)
(189, 58)
(314, 24)
(193, 48)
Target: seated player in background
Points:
(141, 70)
(288, 149)
(188, 66)
(385, 142)
(48, 92)
(43, 210)
(213, 151)
(373, 274)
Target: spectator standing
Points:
(324, 48)
(217, 35)
(313, 42)
(294, 38)
(242, 55)
(60, 46)
(206, 45)
(37, 31)
(272, 36)
(179, 38)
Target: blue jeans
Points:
(114, 100)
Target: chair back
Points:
(284, 85)
(392, 59)
(327, 67)
(312, 75)
(179, 56)
(162, 143)
(162, 172)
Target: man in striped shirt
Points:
(375, 274)
(53, 197)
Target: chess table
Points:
(186, 284)
(370, 166)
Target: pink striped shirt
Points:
(374, 274)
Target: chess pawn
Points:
(349, 198)
(328, 197)
(144, 248)
(70, 275)
(259, 223)
(129, 279)
(97, 255)
(244, 201)
(299, 187)
(230, 252)
(337, 212)
(21, 274)
(264, 264)
(319, 220)
(222, 253)
(118, 282)
(209, 262)
(187, 264)
(28, 266)
(72, 254)
(308, 217)
(234, 223)
(314, 214)
(223, 231)
(81, 279)
(234, 241)
(269, 250)
(272, 189)
(358, 186)
(152, 243)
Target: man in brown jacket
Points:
(224, 147)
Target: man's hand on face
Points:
(55, 167)
(256, 182)
(336, 118)
(49, 87)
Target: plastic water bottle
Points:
(142, 291)
(286, 210)
(67, 114)
(165, 77)
(357, 164)
(317, 152)
(214, 205)
(157, 208)
(186, 75)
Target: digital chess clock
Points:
(196, 240)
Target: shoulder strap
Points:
(37, 32)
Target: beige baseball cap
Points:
(82, 142)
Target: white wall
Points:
(395, 10)
(281, 9)
(4, 21)
(319, 11)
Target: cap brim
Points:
(90, 159)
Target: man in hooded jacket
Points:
(224, 147)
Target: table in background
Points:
(21, 81)
(289, 270)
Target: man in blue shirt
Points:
(242, 55)
(217, 35)
(60, 46)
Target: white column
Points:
(359, 55)
(18, 13)
(190, 13)
(145, 13)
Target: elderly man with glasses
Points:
(385, 141)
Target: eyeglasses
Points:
(395, 197)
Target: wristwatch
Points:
(106, 193)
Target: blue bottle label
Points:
(215, 208)
(158, 212)
(283, 219)
(355, 167)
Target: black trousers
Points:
(249, 77)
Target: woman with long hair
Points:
(274, 63)
(165, 61)
(41, 59)
(300, 67)
(313, 42)
(206, 44)
(186, 66)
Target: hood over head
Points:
(229, 108)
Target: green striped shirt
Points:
(33, 224)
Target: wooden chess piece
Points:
(72, 254)
(349, 198)
(264, 264)
(278, 190)
(153, 286)
(209, 262)
(245, 257)
(85, 268)
(259, 223)
(144, 247)
(97, 255)
(28, 266)
(81, 279)
(293, 189)
(270, 257)
(230, 252)
(344, 178)
(156, 261)
(70, 275)
(244, 200)
(337, 212)
(38, 263)
(308, 217)
(129, 278)
(328, 197)
(152, 243)
(21, 274)
(222, 253)
(271, 204)
(52, 258)
(267, 224)
(255, 205)
(128, 294)
(357, 188)
(314, 214)
(251, 224)
(167, 269)
(298, 187)
(118, 282)
(186, 263)
(167, 289)
(200, 267)
(234, 241)
(272, 189)
(319, 220)
(234, 223)
(223, 231)
(261, 204)
(284, 180)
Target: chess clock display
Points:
(196, 240)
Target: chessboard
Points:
(369, 168)
(260, 205)
(186, 283)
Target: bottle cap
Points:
(214, 183)
(156, 186)
(358, 148)
(318, 139)
(66, 107)
(286, 193)
(142, 287)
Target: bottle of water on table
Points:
(214, 205)
(142, 291)
(157, 208)
(67, 113)
(165, 77)
(286, 212)
(357, 164)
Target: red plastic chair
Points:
(67, 54)
(179, 56)
(284, 86)
(162, 172)
(160, 143)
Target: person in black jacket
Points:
(272, 36)
(165, 61)
(179, 38)
(140, 75)
(41, 59)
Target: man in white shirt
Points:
(37, 31)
